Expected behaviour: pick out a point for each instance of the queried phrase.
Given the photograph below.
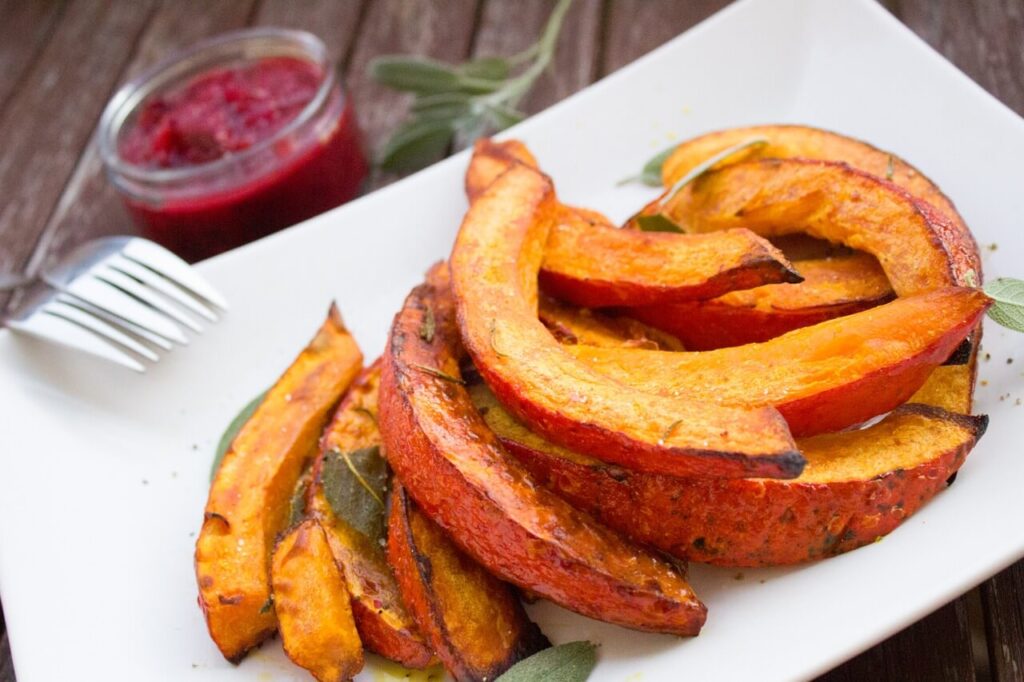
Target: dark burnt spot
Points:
(230, 601)
(617, 474)
(700, 544)
(787, 516)
(951, 479)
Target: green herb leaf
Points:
(571, 662)
(414, 74)
(890, 168)
(232, 430)
(267, 605)
(706, 165)
(416, 144)
(486, 68)
(429, 325)
(444, 376)
(650, 174)
(1008, 309)
(355, 485)
(298, 501)
(659, 222)
(504, 117)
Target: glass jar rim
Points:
(133, 93)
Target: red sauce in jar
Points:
(225, 112)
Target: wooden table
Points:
(60, 60)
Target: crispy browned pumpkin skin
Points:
(591, 263)
(857, 487)
(249, 499)
(573, 325)
(452, 465)
(474, 622)
(821, 378)
(494, 273)
(385, 626)
(313, 607)
(832, 287)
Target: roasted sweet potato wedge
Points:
(452, 465)
(857, 487)
(792, 141)
(249, 501)
(591, 263)
(832, 287)
(385, 626)
(574, 325)
(475, 622)
(313, 607)
(494, 270)
(821, 378)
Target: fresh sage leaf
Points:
(650, 174)
(232, 430)
(504, 117)
(416, 144)
(298, 501)
(486, 68)
(414, 74)
(706, 165)
(1008, 307)
(571, 662)
(355, 485)
(658, 222)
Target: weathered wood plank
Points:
(50, 118)
(442, 30)
(1003, 600)
(935, 648)
(334, 21)
(89, 206)
(635, 27)
(984, 39)
(510, 26)
(24, 31)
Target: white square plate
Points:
(103, 474)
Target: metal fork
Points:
(117, 298)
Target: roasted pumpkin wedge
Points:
(385, 626)
(313, 607)
(452, 465)
(475, 622)
(591, 263)
(804, 142)
(857, 486)
(249, 500)
(832, 287)
(574, 325)
(821, 378)
(494, 271)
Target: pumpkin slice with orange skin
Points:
(474, 621)
(313, 608)
(591, 263)
(385, 625)
(461, 478)
(832, 287)
(857, 487)
(821, 378)
(249, 499)
(574, 325)
(494, 269)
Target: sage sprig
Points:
(571, 662)
(1007, 308)
(471, 99)
(232, 430)
(650, 174)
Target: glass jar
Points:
(266, 178)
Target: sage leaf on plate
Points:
(650, 174)
(571, 662)
(297, 507)
(1008, 307)
(232, 430)
(355, 485)
(658, 222)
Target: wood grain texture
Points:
(936, 649)
(50, 118)
(635, 27)
(334, 21)
(89, 206)
(24, 31)
(985, 39)
(441, 30)
(1003, 600)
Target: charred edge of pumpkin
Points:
(976, 424)
(260, 639)
(961, 355)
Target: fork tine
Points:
(120, 304)
(161, 284)
(163, 262)
(117, 322)
(146, 295)
(99, 327)
(66, 333)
